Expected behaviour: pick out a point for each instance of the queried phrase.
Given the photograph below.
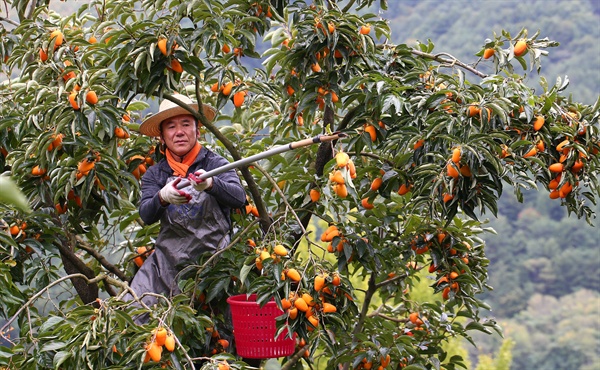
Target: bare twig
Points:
(55, 282)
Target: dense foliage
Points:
(426, 152)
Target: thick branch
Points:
(73, 265)
(372, 288)
(291, 362)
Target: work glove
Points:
(198, 183)
(171, 194)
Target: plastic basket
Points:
(254, 328)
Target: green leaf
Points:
(12, 195)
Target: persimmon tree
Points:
(430, 143)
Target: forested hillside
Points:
(464, 29)
(543, 263)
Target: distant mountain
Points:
(461, 27)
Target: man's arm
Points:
(151, 209)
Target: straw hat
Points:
(168, 109)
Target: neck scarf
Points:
(180, 168)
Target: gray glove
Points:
(170, 194)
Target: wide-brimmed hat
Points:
(168, 109)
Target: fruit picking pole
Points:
(267, 153)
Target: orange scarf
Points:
(180, 168)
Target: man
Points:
(194, 219)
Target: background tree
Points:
(427, 152)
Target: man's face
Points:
(180, 133)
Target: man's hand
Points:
(198, 183)
(170, 194)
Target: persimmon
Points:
(337, 177)
(121, 133)
(540, 146)
(565, 189)
(331, 27)
(92, 39)
(488, 53)
(372, 131)
(341, 159)
(451, 171)
(43, 55)
(520, 48)
(456, 155)
(328, 307)
(224, 343)
(376, 184)
(301, 304)
(334, 97)
(315, 68)
(556, 167)
(280, 250)
(222, 365)
(86, 165)
(160, 335)
(215, 87)
(577, 166)
(446, 293)
(91, 97)
(448, 197)
(154, 351)
(366, 204)
(293, 274)
(60, 209)
(14, 230)
(293, 313)
(226, 89)
(313, 320)
(38, 171)
(473, 111)
(162, 46)
(315, 195)
(290, 90)
(170, 342)
(533, 151)
(341, 190)
(176, 66)
(404, 189)
(238, 52)
(73, 100)
(538, 123)
(58, 37)
(336, 280)
(364, 30)
(419, 143)
(238, 98)
(319, 282)
(465, 171)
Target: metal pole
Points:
(267, 153)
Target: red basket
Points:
(254, 328)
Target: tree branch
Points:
(82, 244)
(453, 61)
(372, 288)
(27, 304)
